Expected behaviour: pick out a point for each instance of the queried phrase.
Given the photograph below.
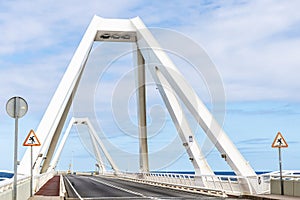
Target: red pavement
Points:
(51, 188)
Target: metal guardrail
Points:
(218, 184)
(41, 179)
(62, 188)
(286, 175)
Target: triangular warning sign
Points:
(279, 141)
(31, 140)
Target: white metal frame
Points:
(221, 185)
(96, 142)
(166, 75)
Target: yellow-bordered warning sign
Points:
(31, 139)
(279, 142)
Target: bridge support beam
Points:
(55, 137)
(96, 142)
(142, 116)
(150, 47)
(100, 163)
(57, 154)
(63, 94)
(183, 128)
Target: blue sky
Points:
(255, 46)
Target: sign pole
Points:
(15, 160)
(280, 169)
(279, 142)
(31, 174)
(16, 107)
(31, 140)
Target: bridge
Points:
(113, 181)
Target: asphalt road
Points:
(92, 187)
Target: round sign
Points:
(16, 107)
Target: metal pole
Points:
(31, 171)
(16, 107)
(280, 169)
(15, 154)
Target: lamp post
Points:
(16, 107)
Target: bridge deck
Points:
(51, 188)
(101, 187)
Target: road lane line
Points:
(119, 188)
(126, 190)
(74, 189)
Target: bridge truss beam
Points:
(96, 142)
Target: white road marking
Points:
(74, 189)
(119, 188)
(123, 189)
(113, 186)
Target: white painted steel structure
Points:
(96, 142)
(214, 185)
(166, 76)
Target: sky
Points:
(254, 45)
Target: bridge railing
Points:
(230, 185)
(286, 174)
(41, 179)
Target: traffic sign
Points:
(31, 140)
(279, 142)
(16, 107)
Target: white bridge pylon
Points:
(172, 87)
(96, 142)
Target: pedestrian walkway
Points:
(51, 188)
(37, 197)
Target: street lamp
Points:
(16, 107)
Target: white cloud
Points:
(252, 47)
(240, 37)
(255, 44)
